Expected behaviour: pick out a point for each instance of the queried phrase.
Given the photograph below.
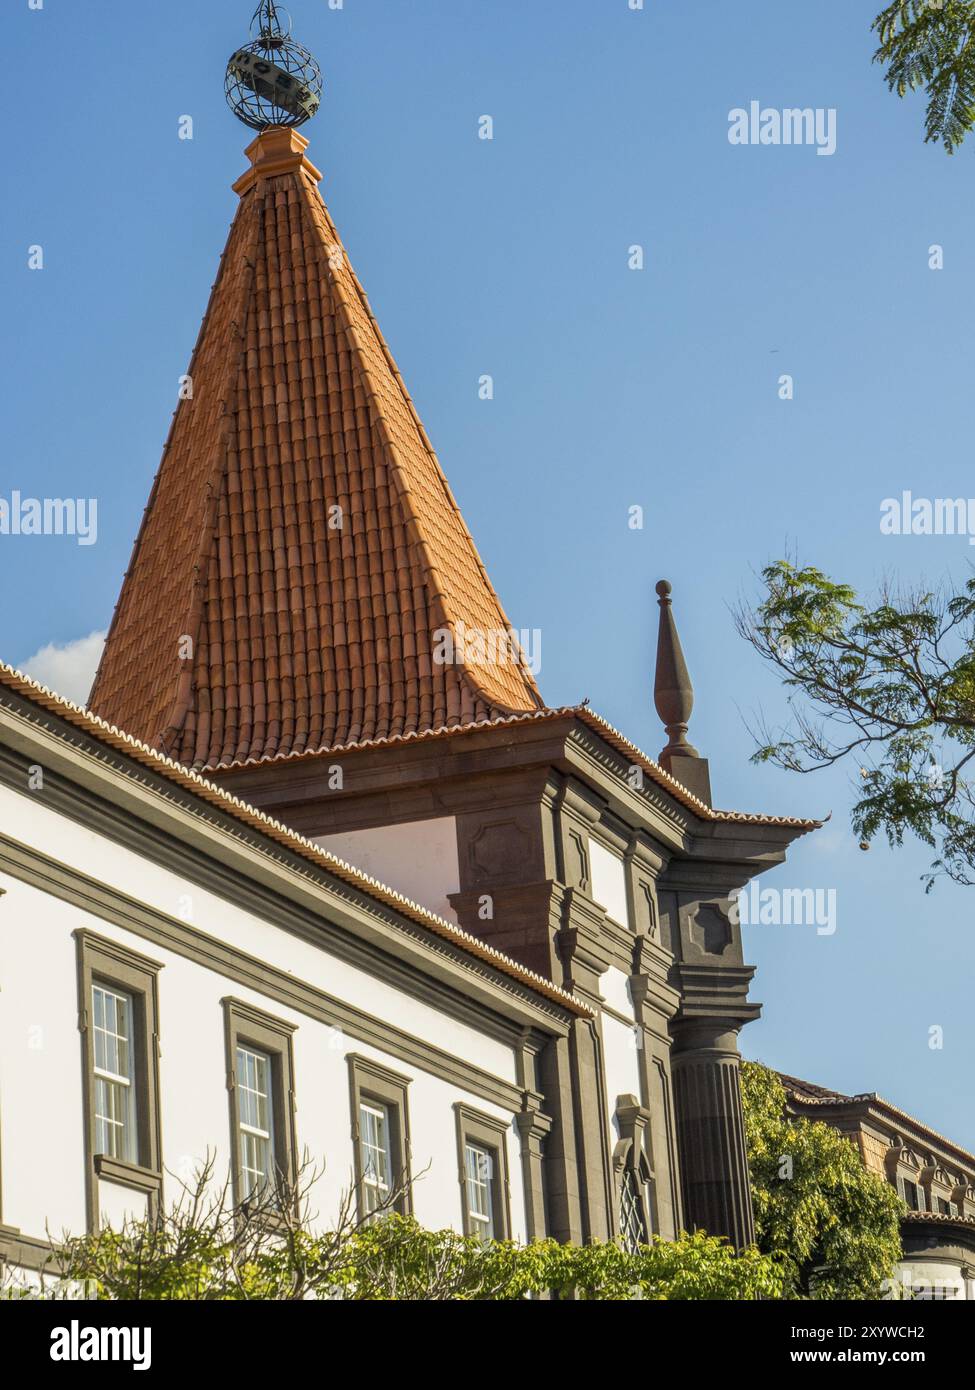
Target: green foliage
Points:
(695, 1266)
(202, 1249)
(892, 685)
(395, 1259)
(828, 1230)
(931, 44)
(833, 1226)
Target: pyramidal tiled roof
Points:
(255, 619)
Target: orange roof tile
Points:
(256, 620)
(586, 715)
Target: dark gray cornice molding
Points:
(162, 823)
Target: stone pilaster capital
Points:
(533, 1126)
(714, 997)
(582, 944)
(655, 999)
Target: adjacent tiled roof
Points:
(255, 618)
(938, 1217)
(587, 716)
(812, 1094)
(109, 736)
(808, 1094)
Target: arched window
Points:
(634, 1174)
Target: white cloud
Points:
(67, 670)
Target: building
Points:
(181, 974)
(541, 1014)
(934, 1177)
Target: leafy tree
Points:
(202, 1248)
(834, 1226)
(931, 44)
(828, 1230)
(692, 1267)
(892, 687)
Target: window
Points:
(480, 1195)
(260, 1067)
(633, 1228)
(377, 1160)
(380, 1137)
(634, 1173)
(118, 1016)
(912, 1195)
(256, 1121)
(483, 1164)
(115, 1099)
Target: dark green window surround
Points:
(489, 1134)
(246, 1026)
(108, 964)
(372, 1083)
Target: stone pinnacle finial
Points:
(673, 696)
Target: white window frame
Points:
(117, 1085)
(479, 1167)
(375, 1143)
(255, 1180)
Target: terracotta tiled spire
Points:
(256, 619)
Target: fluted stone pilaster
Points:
(711, 1139)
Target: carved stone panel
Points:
(708, 934)
(711, 929)
(504, 848)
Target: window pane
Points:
(375, 1154)
(115, 1115)
(479, 1167)
(255, 1117)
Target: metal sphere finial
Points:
(273, 81)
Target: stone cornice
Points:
(199, 843)
(718, 993)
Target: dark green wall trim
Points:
(26, 1252)
(46, 874)
(113, 964)
(244, 1024)
(371, 1081)
(490, 1134)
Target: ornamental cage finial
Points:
(273, 81)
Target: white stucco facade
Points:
(420, 857)
(609, 882)
(42, 1101)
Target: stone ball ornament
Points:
(273, 81)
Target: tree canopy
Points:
(930, 44)
(889, 686)
(202, 1248)
(826, 1228)
(833, 1226)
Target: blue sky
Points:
(613, 388)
